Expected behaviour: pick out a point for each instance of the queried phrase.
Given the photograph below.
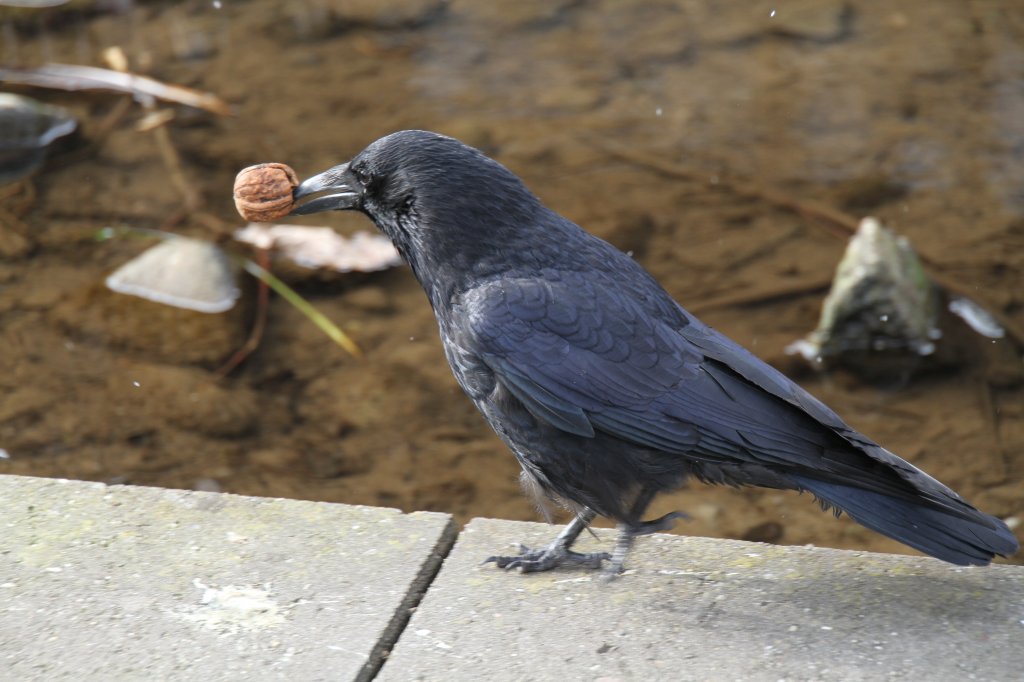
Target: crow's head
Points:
(449, 209)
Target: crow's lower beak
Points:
(343, 196)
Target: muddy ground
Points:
(914, 113)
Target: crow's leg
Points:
(629, 531)
(557, 553)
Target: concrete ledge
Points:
(125, 583)
(702, 609)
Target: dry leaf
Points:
(322, 247)
(74, 77)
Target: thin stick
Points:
(172, 161)
(289, 294)
(73, 77)
(258, 326)
(746, 299)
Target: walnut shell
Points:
(264, 192)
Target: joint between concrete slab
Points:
(417, 590)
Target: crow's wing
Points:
(585, 356)
(582, 358)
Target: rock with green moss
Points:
(882, 308)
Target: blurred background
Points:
(729, 146)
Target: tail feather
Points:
(962, 539)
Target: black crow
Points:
(605, 389)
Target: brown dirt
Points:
(914, 113)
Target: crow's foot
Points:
(554, 555)
(557, 553)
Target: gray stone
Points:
(703, 609)
(127, 583)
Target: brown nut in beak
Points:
(264, 192)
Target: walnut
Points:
(264, 192)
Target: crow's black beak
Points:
(343, 193)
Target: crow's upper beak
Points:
(343, 193)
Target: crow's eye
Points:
(360, 174)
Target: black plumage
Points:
(607, 391)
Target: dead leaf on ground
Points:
(323, 248)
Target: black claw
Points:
(533, 561)
(504, 561)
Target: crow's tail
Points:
(964, 537)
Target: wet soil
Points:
(913, 113)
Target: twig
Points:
(763, 249)
(111, 120)
(258, 326)
(846, 224)
(314, 315)
(117, 59)
(746, 299)
(192, 197)
(73, 77)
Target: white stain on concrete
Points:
(233, 608)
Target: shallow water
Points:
(685, 132)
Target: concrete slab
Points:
(701, 609)
(125, 583)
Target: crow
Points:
(606, 390)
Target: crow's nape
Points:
(968, 539)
